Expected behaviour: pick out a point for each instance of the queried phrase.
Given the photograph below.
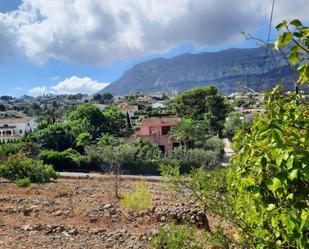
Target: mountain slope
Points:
(228, 70)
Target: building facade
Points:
(11, 128)
(156, 130)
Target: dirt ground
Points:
(83, 213)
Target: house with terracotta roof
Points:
(156, 130)
(11, 128)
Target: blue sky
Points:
(49, 46)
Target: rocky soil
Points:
(83, 213)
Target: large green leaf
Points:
(274, 184)
(296, 22)
(293, 174)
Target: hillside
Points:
(227, 69)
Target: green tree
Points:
(185, 132)
(192, 103)
(97, 97)
(115, 120)
(233, 123)
(92, 116)
(2, 108)
(216, 109)
(58, 136)
(83, 139)
(196, 102)
(107, 98)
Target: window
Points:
(20, 131)
(162, 148)
(165, 130)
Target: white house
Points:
(11, 128)
(158, 105)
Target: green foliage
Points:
(215, 144)
(209, 188)
(65, 160)
(269, 175)
(115, 120)
(105, 98)
(196, 102)
(83, 139)
(24, 182)
(185, 132)
(108, 139)
(58, 136)
(192, 103)
(189, 159)
(139, 156)
(188, 237)
(7, 149)
(139, 199)
(176, 237)
(218, 239)
(2, 108)
(17, 167)
(233, 123)
(296, 36)
(88, 113)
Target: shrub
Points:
(65, 160)
(139, 199)
(215, 144)
(218, 239)
(24, 182)
(7, 149)
(18, 167)
(139, 156)
(193, 158)
(269, 176)
(176, 237)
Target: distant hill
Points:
(229, 70)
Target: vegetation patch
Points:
(139, 199)
(18, 167)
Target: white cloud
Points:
(38, 91)
(72, 85)
(78, 85)
(99, 32)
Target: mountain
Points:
(229, 70)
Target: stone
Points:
(28, 228)
(108, 205)
(58, 213)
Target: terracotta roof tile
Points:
(160, 121)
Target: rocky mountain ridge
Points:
(229, 70)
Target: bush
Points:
(139, 199)
(172, 237)
(193, 158)
(269, 176)
(24, 182)
(139, 156)
(65, 160)
(7, 149)
(188, 237)
(215, 144)
(18, 167)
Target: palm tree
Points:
(184, 132)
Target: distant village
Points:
(150, 115)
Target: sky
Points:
(80, 46)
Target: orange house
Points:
(156, 129)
